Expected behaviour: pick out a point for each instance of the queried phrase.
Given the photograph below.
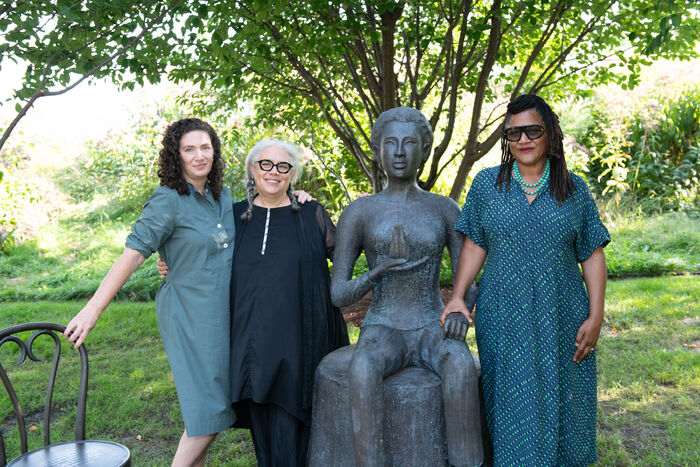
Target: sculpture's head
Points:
(401, 141)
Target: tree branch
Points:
(492, 50)
(43, 93)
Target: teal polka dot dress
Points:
(540, 405)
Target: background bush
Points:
(644, 159)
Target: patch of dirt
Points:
(355, 313)
(16, 280)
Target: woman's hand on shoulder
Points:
(303, 197)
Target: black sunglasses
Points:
(267, 165)
(514, 133)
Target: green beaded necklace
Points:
(539, 183)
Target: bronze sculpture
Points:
(403, 231)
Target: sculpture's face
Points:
(401, 149)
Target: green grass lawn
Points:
(649, 379)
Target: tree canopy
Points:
(319, 64)
(64, 43)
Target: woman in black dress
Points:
(283, 320)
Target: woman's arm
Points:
(120, 272)
(595, 277)
(471, 259)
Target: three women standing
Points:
(536, 324)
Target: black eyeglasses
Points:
(282, 167)
(514, 133)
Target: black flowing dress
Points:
(266, 329)
(283, 321)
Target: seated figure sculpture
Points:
(403, 231)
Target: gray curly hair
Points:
(254, 154)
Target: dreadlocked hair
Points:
(294, 158)
(560, 183)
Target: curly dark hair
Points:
(169, 162)
(560, 183)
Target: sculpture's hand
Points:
(398, 256)
(162, 267)
(456, 305)
(394, 265)
(382, 267)
(408, 265)
(456, 327)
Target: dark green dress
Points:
(194, 234)
(540, 405)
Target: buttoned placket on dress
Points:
(217, 213)
(531, 216)
(267, 225)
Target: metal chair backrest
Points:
(26, 351)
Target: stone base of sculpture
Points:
(414, 419)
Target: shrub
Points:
(644, 159)
(665, 157)
(16, 194)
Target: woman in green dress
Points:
(536, 324)
(189, 221)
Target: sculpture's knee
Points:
(459, 369)
(364, 370)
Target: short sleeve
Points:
(155, 225)
(470, 220)
(592, 233)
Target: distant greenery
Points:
(15, 192)
(648, 379)
(654, 245)
(642, 159)
(69, 258)
(643, 166)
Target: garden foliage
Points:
(16, 193)
(646, 159)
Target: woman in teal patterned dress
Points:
(536, 324)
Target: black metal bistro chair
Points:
(79, 452)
